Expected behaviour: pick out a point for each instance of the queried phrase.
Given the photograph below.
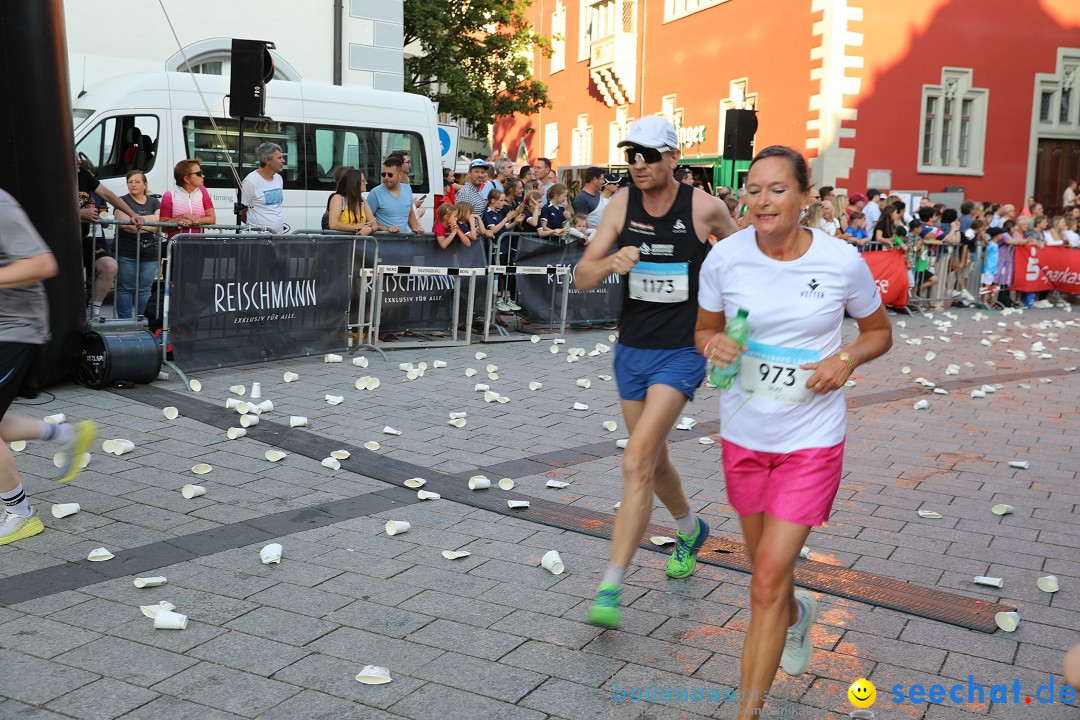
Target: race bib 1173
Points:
(660, 282)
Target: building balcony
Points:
(613, 67)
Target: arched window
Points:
(213, 57)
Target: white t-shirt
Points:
(831, 227)
(794, 305)
(597, 213)
(1050, 240)
(872, 212)
(1072, 238)
(265, 201)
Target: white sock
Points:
(15, 501)
(62, 433)
(613, 575)
(96, 311)
(687, 523)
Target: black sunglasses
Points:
(197, 172)
(389, 174)
(648, 155)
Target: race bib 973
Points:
(660, 282)
(773, 372)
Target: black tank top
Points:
(671, 257)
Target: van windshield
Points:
(78, 117)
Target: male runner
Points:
(661, 228)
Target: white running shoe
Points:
(799, 648)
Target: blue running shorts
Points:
(636, 369)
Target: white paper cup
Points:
(412, 374)
(554, 349)
(335, 399)
(397, 527)
(17, 446)
(243, 408)
(340, 454)
(415, 483)
(610, 425)
(457, 422)
(469, 372)
(584, 383)
(122, 446)
(480, 355)
(256, 391)
(201, 469)
(274, 455)
(990, 581)
(490, 396)
(237, 432)
(493, 376)
(192, 491)
(457, 415)
(580, 406)
(249, 420)
(805, 553)
(332, 463)
(534, 339)
(922, 404)
(517, 504)
(438, 364)
(373, 383)
(455, 554)
(1007, 621)
(297, 421)
(534, 386)
(55, 419)
(978, 394)
(108, 445)
(621, 444)
(169, 620)
(331, 358)
(170, 413)
(145, 582)
(265, 406)
(552, 562)
(151, 611)
(479, 482)
(372, 675)
(237, 389)
(481, 387)
(502, 399)
(60, 510)
(427, 495)
(99, 555)
(1019, 464)
(506, 484)
(1048, 583)
(271, 554)
(405, 366)
(1002, 509)
(557, 484)
(387, 430)
(290, 377)
(162, 375)
(360, 362)
(371, 445)
(194, 386)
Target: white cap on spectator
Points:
(652, 131)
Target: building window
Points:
(1058, 115)
(616, 132)
(1066, 102)
(551, 140)
(953, 132)
(586, 30)
(581, 142)
(558, 38)
(675, 9)
(1045, 103)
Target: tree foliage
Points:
(476, 58)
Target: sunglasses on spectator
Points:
(389, 174)
(197, 172)
(644, 154)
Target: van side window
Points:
(121, 143)
(362, 148)
(214, 150)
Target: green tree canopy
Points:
(477, 58)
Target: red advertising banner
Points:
(1048, 268)
(890, 275)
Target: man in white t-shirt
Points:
(263, 190)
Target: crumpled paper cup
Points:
(271, 554)
(145, 582)
(372, 675)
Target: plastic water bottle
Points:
(738, 329)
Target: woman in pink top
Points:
(188, 204)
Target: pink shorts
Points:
(798, 487)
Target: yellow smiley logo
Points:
(862, 693)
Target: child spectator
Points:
(445, 227)
(856, 230)
(531, 212)
(579, 227)
(988, 274)
(553, 214)
(468, 227)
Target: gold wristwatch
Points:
(845, 357)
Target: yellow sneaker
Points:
(16, 527)
(85, 433)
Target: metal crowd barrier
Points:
(166, 328)
(138, 319)
(956, 282)
(360, 272)
(509, 270)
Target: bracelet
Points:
(705, 350)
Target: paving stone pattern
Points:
(493, 635)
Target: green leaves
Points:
(476, 58)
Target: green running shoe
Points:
(682, 562)
(605, 609)
(85, 432)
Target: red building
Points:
(919, 95)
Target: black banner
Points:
(602, 304)
(424, 300)
(244, 298)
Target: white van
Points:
(151, 121)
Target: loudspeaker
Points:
(252, 68)
(739, 129)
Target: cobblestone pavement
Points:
(493, 635)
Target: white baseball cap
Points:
(652, 131)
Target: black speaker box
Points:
(739, 129)
(252, 68)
